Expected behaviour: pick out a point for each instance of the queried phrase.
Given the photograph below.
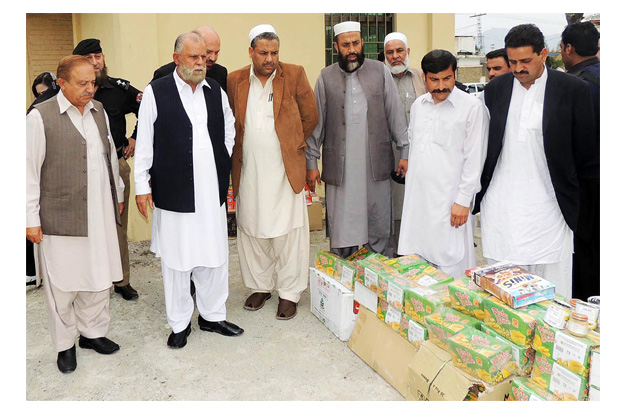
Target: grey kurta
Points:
(360, 210)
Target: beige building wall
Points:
(137, 44)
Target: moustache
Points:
(522, 72)
(440, 91)
(86, 94)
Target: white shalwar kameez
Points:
(189, 242)
(447, 152)
(521, 219)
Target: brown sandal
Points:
(256, 301)
(286, 309)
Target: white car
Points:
(475, 88)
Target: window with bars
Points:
(373, 26)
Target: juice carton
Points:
(516, 325)
(392, 287)
(467, 297)
(446, 323)
(345, 272)
(524, 389)
(362, 253)
(389, 314)
(324, 262)
(412, 331)
(571, 352)
(523, 356)
(481, 355)
(565, 384)
(512, 284)
(420, 302)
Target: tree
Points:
(573, 17)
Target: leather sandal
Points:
(256, 301)
(286, 309)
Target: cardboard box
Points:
(446, 323)
(412, 331)
(512, 284)
(570, 351)
(523, 389)
(467, 297)
(516, 325)
(421, 302)
(365, 297)
(557, 379)
(382, 349)
(481, 355)
(523, 356)
(315, 216)
(433, 377)
(332, 303)
(325, 262)
(345, 272)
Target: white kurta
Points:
(89, 263)
(184, 241)
(267, 207)
(447, 152)
(521, 219)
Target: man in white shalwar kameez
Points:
(269, 172)
(182, 162)
(448, 132)
(72, 188)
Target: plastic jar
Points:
(578, 324)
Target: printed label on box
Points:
(416, 333)
(564, 381)
(423, 291)
(427, 281)
(555, 316)
(371, 278)
(347, 276)
(590, 311)
(595, 370)
(392, 316)
(394, 294)
(569, 348)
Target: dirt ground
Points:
(295, 360)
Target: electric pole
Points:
(480, 37)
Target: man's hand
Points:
(402, 167)
(34, 235)
(121, 208)
(459, 215)
(142, 203)
(313, 178)
(129, 151)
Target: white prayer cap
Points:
(346, 27)
(396, 36)
(261, 28)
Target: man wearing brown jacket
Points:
(275, 111)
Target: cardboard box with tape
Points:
(332, 304)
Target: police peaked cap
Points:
(87, 46)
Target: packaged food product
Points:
(467, 297)
(324, 262)
(392, 287)
(590, 310)
(524, 389)
(557, 314)
(368, 270)
(516, 325)
(389, 314)
(362, 253)
(420, 302)
(345, 272)
(512, 284)
(446, 323)
(557, 379)
(429, 277)
(404, 262)
(523, 356)
(412, 331)
(481, 355)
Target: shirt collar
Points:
(180, 84)
(588, 62)
(538, 82)
(452, 98)
(64, 103)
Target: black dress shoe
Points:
(101, 345)
(127, 292)
(222, 327)
(179, 340)
(66, 361)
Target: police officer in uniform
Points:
(118, 98)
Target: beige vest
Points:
(63, 182)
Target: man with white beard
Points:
(184, 144)
(409, 83)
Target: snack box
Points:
(389, 315)
(367, 272)
(428, 277)
(481, 355)
(524, 389)
(324, 262)
(412, 331)
(420, 302)
(446, 323)
(392, 287)
(514, 285)
(523, 356)
(568, 350)
(362, 253)
(403, 263)
(467, 297)
(345, 272)
(565, 384)
(516, 325)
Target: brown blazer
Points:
(295, 114)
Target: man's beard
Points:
(397, 69)
(348, 66)
(189, 75)
(101, 76)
